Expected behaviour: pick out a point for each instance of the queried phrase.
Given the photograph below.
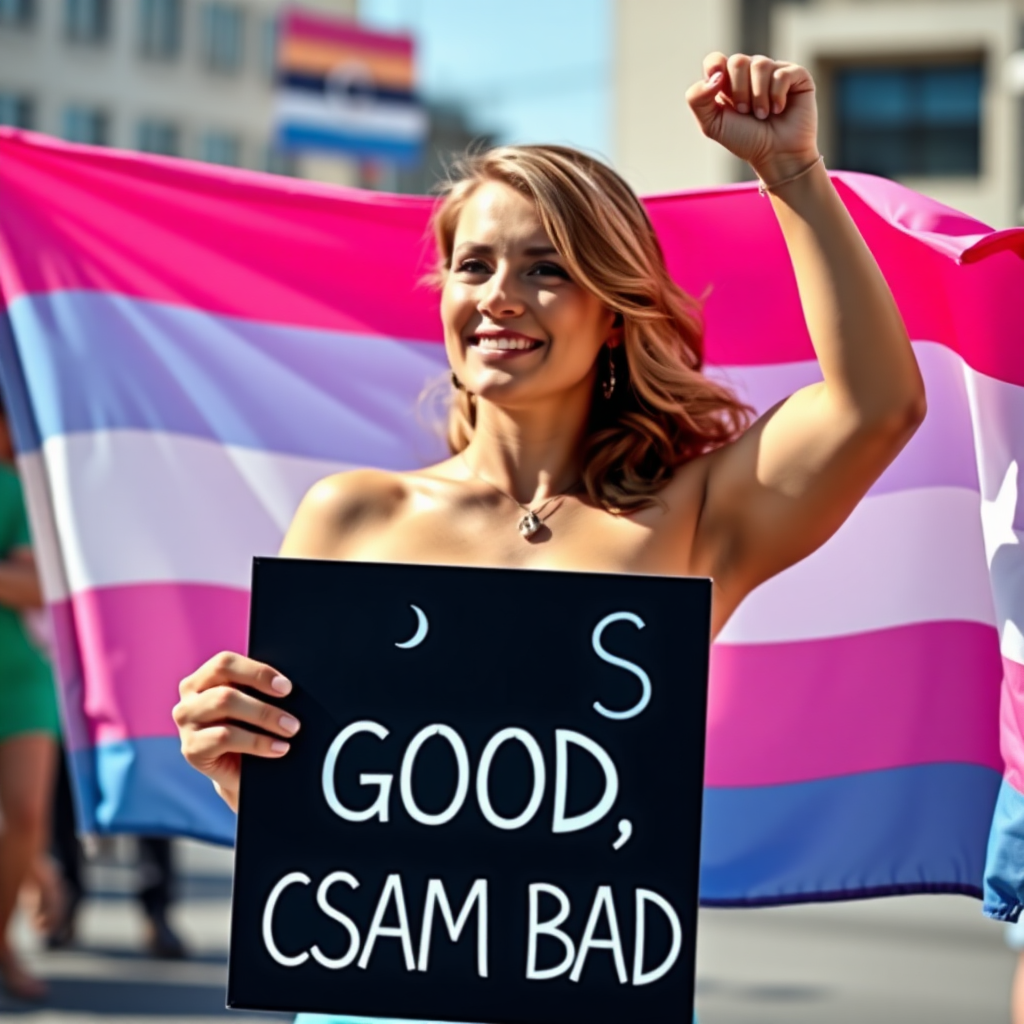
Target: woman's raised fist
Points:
(761, 110)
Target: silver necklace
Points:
(531, 521)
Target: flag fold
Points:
(185, 349)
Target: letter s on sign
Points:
(599, 650)
(343, 919)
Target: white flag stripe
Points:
(133, 506)
(385, 120)
(901, 558)
(998, 412)
(45, 540)
(941, 453)
(762, 386)
(910, 556)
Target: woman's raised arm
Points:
(789, 482)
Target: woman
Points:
(580, 412)
(29, 728)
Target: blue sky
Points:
(528, 71)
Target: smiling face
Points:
(517, 328)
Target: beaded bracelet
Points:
(763, 189)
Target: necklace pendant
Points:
(528, 525)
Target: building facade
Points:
(923, 91)
(191, 78)
(451, 136)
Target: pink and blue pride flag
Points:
(185, 349)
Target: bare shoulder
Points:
(711, 487)
(339, 508)
(683, 496)
(357, 492)
(671, 522)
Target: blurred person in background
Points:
(155, 884)
(29, 728)
(155, 893)
(1015, 940)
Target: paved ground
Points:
(912, 960)
(918, 960)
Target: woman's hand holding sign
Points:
(219, 721)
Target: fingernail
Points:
(715, 78)
(760, 114)
(289, 724)
(742, 108)
(280, 747)
(777, 109)
(281, 685)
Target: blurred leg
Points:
(157, 874)
(66, 845)
(66, 848)
(27, 764)
(155, 862)
(1017, 1002)
(44, 895)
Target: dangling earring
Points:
(456, 383)
(608, 386)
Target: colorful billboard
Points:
(345, 89)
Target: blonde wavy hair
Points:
(664, 410)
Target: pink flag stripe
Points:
(962, 307)
(136, 642)
(309, 26)
(1011, 723)
(192, 247)
(912, 695)
(947, 230)
(223, 240)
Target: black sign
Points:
(492, 810)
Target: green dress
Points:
(28, 702)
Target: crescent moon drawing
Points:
(421, 630)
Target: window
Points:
(160, 28)
(158, 136)
(910, 120)
(268, 47)
(221, 148)
(85, 124)
(17, 12)
(223, 28)
(87, 21)
(16, 110)
(277, 161)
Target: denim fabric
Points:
(1004, 869)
